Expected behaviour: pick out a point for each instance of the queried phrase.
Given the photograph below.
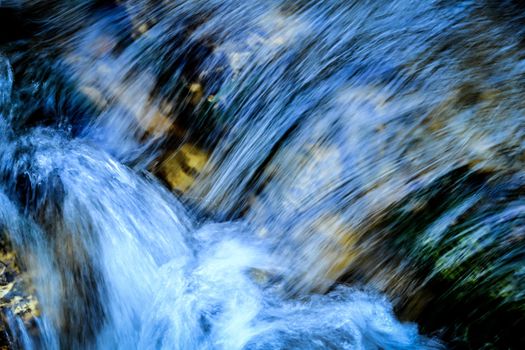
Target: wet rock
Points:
(459, 242)
(17, 299)
(181, 168)
(196, 93)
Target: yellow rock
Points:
(182, 167)
(4, 290)
(196, 93)
(27, 309)
(16, 295)
(340, 249)
(195, 157)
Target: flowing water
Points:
(347, 164)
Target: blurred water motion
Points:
(274, 174)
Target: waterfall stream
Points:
(274, 174)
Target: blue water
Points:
(318, 117)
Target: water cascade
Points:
(273, 174)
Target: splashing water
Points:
(126, 268)
(345, 143)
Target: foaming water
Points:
(118, 263)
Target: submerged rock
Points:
(181, 168)
(17, 299)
